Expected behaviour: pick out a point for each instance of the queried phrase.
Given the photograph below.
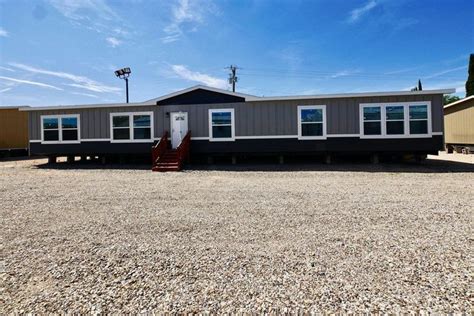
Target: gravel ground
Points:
(336, 239)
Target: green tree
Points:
(420, 87)
(470, 78)
(447, 99)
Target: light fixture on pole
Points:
(124, 73)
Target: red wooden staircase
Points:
(166, 159)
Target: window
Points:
(418, 119)
(395, 120)
(121, 127)
(51, 129)
(312, 122)
(129, 127)
(372, 120)
(142, 126)
(395, 117)
(60, 128)
(221, 125)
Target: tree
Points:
(470, 78)
(418, 86)
(447, 99)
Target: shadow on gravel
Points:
(428, 166)
(92, 165)
(17, 158)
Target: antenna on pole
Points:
(233, 76)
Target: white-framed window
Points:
(418, 116)
(395, 120)
(312, 122)
(372, 120)
(221, 125)
(64, 128)
(131, 127)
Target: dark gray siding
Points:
(280, 117)
(251, 118)
(95, 123)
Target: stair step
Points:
(164, 169)
(168, 161)
(167, 164)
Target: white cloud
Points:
(94, 87)
(85, 94)
(3, 32)
(403, 70)
(171, 38)
(80, 81)
(120, 31)
(7, 69)
(94, 15)
(291, 56)
(459, 85)
(187, 12)
(445, 72)
(114, 42)
(5, 90)
(344, 73)
(32, 83)
(357, 13)
(79, 9)
(184, 73)
(309, 92)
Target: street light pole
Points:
(124, 73)
(126, 87)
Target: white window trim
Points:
(324, 122)
(60, 129)
(130, 127)
(383, 120)
(232, 122)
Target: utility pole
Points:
(233, 76)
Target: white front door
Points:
(179, 127)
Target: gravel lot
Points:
(324, 238)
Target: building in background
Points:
(459, 126)
(13, 131)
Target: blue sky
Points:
(65, 51)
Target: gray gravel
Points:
(87, 240)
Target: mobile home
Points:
(218, 122)
(459, 126)
(13, 131)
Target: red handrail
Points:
(160, 148)
(183, 149)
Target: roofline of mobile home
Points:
(355, 95)
(197, 87)
(13, 107)
(250, 98)
(459, 102)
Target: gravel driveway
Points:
(336, 240)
